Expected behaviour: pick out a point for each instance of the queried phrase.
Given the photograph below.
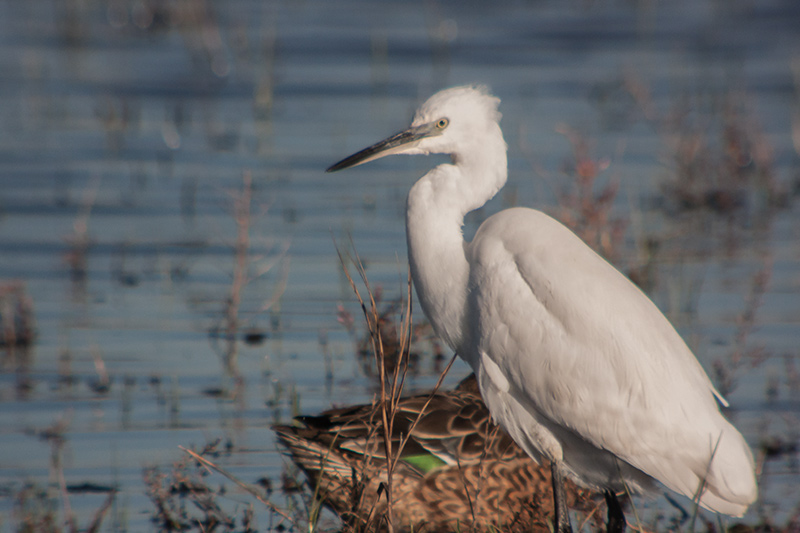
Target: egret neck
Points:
(435, 212)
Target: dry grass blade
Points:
(391, 384)
(435, 389)
(247, 487)
(701, 489)
(405, 342)
(629, 495)
(97, 520)
(387, 413)
(241, 252)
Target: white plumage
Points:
(572, 359)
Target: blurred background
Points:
(168, 237)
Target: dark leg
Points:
(616, 518)
(560, 500)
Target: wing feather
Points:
(587, 350)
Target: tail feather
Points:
(731, 483)
(312, 456)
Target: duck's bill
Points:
(396, 144)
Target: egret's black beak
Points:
(396, 144)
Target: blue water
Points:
(139, 126)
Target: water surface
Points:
(125, 133)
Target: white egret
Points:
(572, 359)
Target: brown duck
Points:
(458, 470)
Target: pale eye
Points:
(442, 124)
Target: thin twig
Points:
(425, 405)
(629, 495)
(97, 519)
(703, 483)
(387, 411)
(390, 393)
(256, 494)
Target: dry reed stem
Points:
(630, 499)
(54, 435)
(387, 414)
(746, 321)
(244, 262)
(78, 241)
(97, 519)
(80, 225)
(425, 405)
(245, 486)
(241, 211)
(390, 393)
(717, 154)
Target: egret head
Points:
(453, 121)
